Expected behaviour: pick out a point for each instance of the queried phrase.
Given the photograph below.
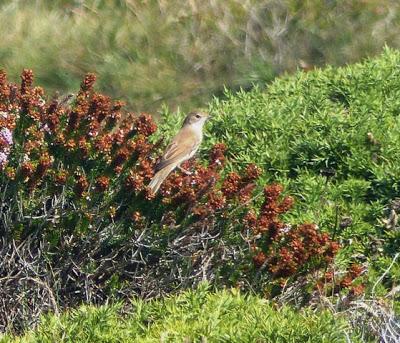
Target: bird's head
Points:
(197, 118)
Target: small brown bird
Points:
(183, 147)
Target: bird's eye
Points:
(198, 116)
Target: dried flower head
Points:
(81, 184)
(27, 81)
(88, 82)
(102, 183)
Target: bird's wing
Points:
(180, 149)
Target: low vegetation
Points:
(194, 316)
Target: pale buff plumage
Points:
(183, 146)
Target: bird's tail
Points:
(159, 178)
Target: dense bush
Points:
(332, 138)
(194, 316)
(79, 222)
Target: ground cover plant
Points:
(194, 316)
(312, 224)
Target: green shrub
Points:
(223, 316)
(330, 136)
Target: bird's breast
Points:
(196, 131)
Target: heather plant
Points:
(79, 221)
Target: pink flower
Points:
(6, 135)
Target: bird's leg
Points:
(184, 171)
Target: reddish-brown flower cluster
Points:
(283, 249)
(231, 184)
(134, 182)
(60, 177)
(140, 175)
(268, 222)
(250, 220)
(259, 259)
(120, 157)
(217, 155)
(31, 99)
(104, 144)
(102, 183)
(26, 81)
(82, 104)
(352, 281)
(7, 120)
(297, 248)
(27, 169)
(252, 172)
(4, 91)
(99, 108)
(88, 129)
(81, 184)
(201, 190)
(144, 125)
(51, 117)
(241, 186)
(198, 191)
(349, 280)
(45, 162)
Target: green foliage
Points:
(332, 138)
(330, 135)
(182, 53)
(193, 316)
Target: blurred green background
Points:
(181, 53)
